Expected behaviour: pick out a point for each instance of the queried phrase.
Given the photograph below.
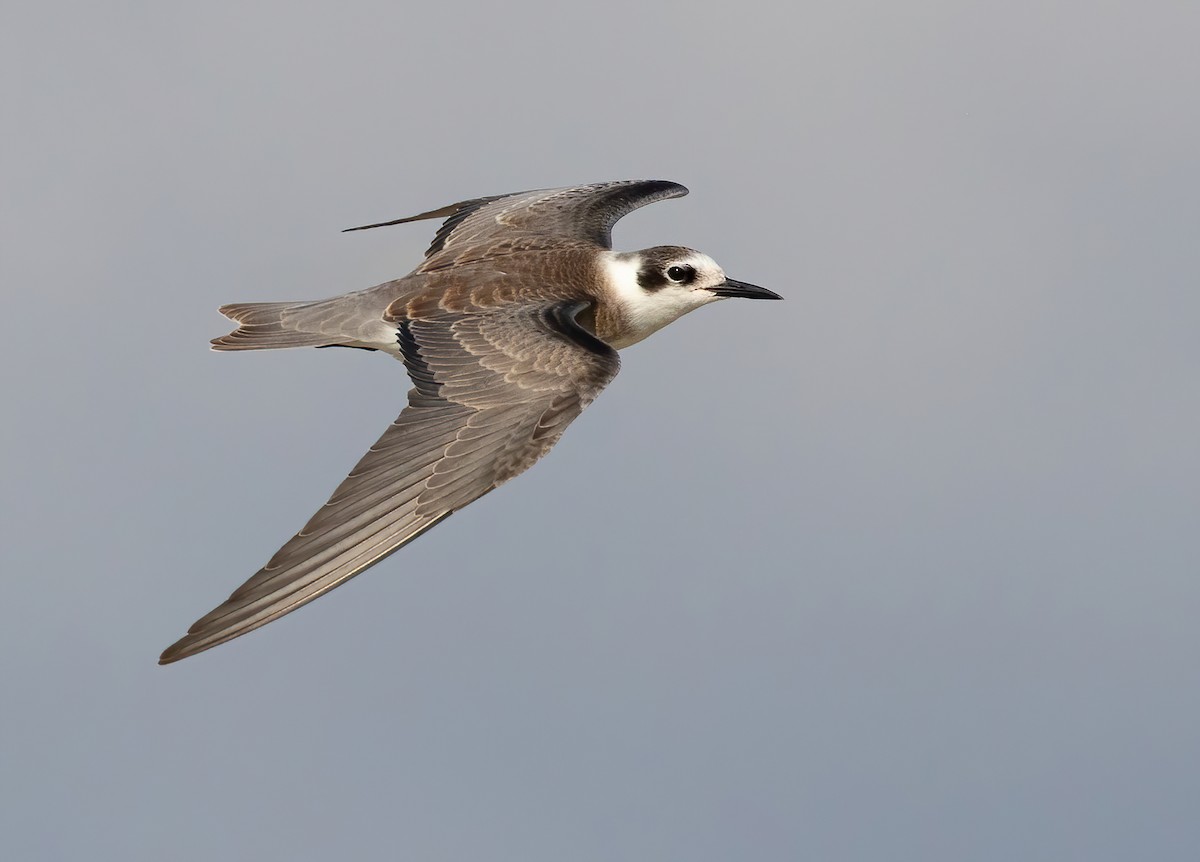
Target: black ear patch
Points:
(652, 278)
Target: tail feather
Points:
(264, 326)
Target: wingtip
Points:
(378, 224)
(186, 646)
(169, 656)
(181, 649)
(677, 190)
(441, 212)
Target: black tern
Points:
(509, 328)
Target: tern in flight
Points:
(509, 327)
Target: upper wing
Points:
(494, 391)
(487, 227)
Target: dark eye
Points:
(681, 274)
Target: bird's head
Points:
(675, 271)
(656, 286)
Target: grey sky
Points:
(905, 567)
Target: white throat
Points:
(643, 312)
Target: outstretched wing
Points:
(494, 391)
(547, 218)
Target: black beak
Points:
(746, 291)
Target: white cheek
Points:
(661, 307)
(652, 311)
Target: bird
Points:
(508, 328)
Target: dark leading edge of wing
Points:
(574, 214)
(470, 425)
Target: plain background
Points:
(905, 567)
